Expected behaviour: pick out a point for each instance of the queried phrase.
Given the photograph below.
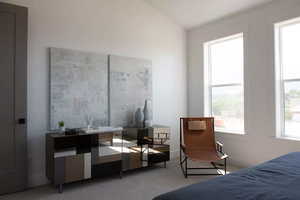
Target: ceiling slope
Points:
(191, 13)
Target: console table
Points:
(104, 151)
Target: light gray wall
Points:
(122, 27)
(259, 143)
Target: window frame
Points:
(280, 81)
(208, 86)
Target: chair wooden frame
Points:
(184, 157)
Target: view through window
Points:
(288, 73)
(224, 63)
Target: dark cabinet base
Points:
(72, 158)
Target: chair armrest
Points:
(219, 144)
(219, 147)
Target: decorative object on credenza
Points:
(160, 134)
(89, 121)
(61, 126)
(73, 131)
(147, 114)
(139, 118)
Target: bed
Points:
(278, 179)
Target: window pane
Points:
(228, 108)
(292, 109)
(290, 48)
(227, 60)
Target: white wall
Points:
(259, 143)
(123, 27)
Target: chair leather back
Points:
(199, 138)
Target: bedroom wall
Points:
(121, 27)
(259, 144)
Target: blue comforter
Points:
(278, 179)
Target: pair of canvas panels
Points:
(104, 89)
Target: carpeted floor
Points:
(137, 185)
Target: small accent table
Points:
(151, 143)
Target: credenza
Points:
(100, 152)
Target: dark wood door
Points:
(13, 90)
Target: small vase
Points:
(89, 127)
(62, 129)
(139, 118)
(147, 118)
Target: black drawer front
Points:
(158, 157)
(81, 143)
(106, 169)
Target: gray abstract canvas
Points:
(130, 86)
(78, 88)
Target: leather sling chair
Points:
(197, 143)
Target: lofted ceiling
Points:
(190, 13)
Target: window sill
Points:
(287, 138)
(230, 132)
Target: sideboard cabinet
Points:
(102, 152)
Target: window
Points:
(287, 40)
(224, 91)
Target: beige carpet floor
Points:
(137, 185)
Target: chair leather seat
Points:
(204, 155)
